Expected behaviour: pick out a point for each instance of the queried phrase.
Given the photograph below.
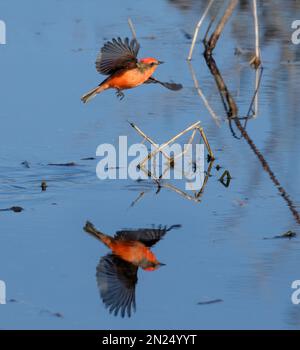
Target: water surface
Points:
(49, 263)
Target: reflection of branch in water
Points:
(137, 199)
(225, 178)
(195, 197)
(258, 76)
(229, 104)
(207, 176)
(252, 112)
(267, 168)
(232, 113)
(253, 108)
(180, 192)
(202, 96)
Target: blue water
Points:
(47, 261)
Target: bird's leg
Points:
(120, 94)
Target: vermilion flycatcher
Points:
(118, 59)
(117, 272)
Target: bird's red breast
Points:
(127, 79)
(132, 251)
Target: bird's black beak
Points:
(161, 264)
(160, 62)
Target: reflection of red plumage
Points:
(118, 59)
(117, 272)
(133, 245)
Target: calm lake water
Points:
(47, 261)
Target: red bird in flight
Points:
(118, 59)
(117, 272)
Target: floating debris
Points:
(241, 202)
(63, 164)
(12, 300)
(41, 310)
(239, 51)
(149, 37)
(15, 209)
(44, 186)
(209, 302)
(51, 313)
(289, 235)
(88, 158)
(26, 164)
(186, 34)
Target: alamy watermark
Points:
(176, 162)
(2, 32)
(2, 292)
(296, 294)
(296, 33)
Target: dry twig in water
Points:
(211, 44)
(256, 60)
(131, 26)
(171, 160)
(198, 28)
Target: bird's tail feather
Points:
(91, 94)
(90, 228)
(171, 86)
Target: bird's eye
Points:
(152, 64)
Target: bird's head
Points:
(148, 63)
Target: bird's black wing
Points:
(148, 236)
(170, 86)
(116, 55)
(116, 281)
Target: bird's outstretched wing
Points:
(116, 55)
(148, 236)
(116, 281)
(170, 86)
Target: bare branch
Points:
(131, 26)
(198, 28)
(256, 60)
(218, 31)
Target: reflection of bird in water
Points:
(118, 60)
(117, 272)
